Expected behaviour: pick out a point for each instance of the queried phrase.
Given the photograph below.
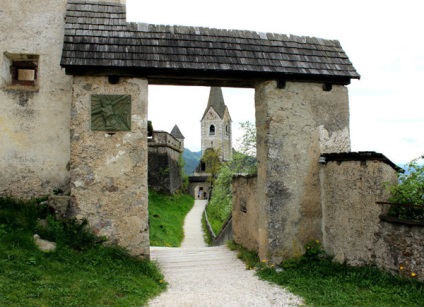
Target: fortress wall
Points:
(164, 165)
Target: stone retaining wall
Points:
(402, 249)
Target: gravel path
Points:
(211, 276)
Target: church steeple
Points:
(216, 125)
(216, 101)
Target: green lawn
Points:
(324, 283)
(84, 273)
(166, 218)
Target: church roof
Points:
(98, 40)
(216, 101)
(177, 133)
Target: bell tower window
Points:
(211, 130)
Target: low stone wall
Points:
(350, 215)
(245, 212)
(403, 249)
(351, 225)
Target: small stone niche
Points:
(20, 70)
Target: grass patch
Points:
(324, 283)
(84, 273)
(206, 235)
(250, 258)
(166, 216)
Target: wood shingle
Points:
(99, 40)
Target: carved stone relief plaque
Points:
(111, 112)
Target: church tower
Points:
(216, 125)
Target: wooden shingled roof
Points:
(99, 41)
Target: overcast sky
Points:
(383, 39)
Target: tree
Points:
(409, 191)
(212, 164)
(220, 205)
(247, 142)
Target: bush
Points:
(408, 191)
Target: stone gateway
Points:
(75, 114)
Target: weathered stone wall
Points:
(400, 249)
(350, 215)
(294, 125)
(164, 163)
(109, 170)
(245, 212)
(352, 230)
(34, 120)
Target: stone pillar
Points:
(294, 125)
(109, 166)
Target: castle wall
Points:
(109, 168)
(34, 119)
(291, 123)
(164, 163)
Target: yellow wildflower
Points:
(413, 274)
(401, 267)
(161, 281)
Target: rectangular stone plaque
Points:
(111, 112)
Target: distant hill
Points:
(191, 160)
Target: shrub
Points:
(408, 191)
